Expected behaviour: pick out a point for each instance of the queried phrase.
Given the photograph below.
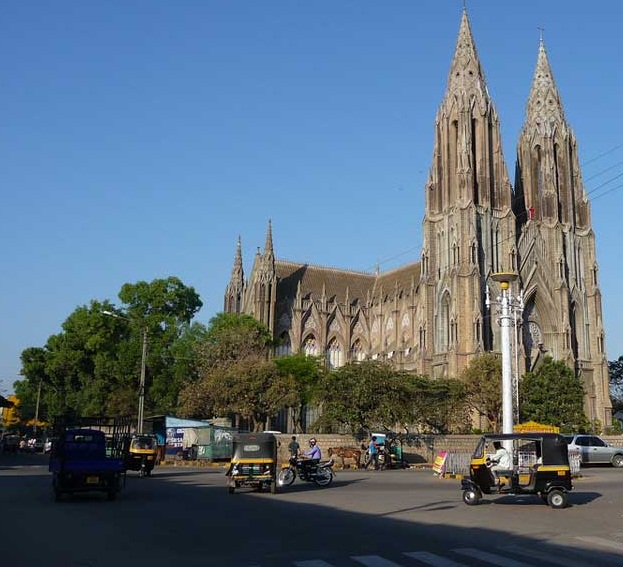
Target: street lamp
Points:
(141, 386)
(507, 304)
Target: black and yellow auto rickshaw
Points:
(253, 462)
(539, 465)
(142, 454)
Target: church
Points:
(435, 315)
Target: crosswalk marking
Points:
(432, 559)
(374, 561)
(602, 541)
(501, 556)
(547, 557)
(492, 558)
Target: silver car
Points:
(594, 450)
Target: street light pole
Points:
(505, 303)
(141, 386)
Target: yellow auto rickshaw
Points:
(538, 465)
(142, 454)
(253, 462)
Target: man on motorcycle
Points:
(312, 457)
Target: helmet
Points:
(312, 441)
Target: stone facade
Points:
(431, 316)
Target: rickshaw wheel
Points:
(286, 477)
(471, 497)
(557, 499)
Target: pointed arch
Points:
(335, 354)
(284, 345)
(310, 345)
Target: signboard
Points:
(439, 466)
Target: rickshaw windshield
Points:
(143, 443)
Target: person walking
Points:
(373, 451)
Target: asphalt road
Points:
(185, 516)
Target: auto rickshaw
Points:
(142, 454)
(540, 465)
(253, 462)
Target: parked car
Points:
(594, 450)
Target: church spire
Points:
(544, 109)
(235, 288)
(466, 74)
(268, 245)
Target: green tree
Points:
(306, 372)
(92, 366)
(361, 396)
(439, 406)
(234, 373)
(615, 371)
(553, 395)
(483, 388)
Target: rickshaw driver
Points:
(499, 461)
(311, 457)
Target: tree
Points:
(553, 395)
(235, 375)
(483, 388)
(92, 366)
(361, 396)
(439, 406)
(306, 372)
(615, 371)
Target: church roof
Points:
(333, 282)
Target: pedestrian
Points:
(373, 451)
(294, 447)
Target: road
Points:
(184, 516)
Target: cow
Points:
(346, 453)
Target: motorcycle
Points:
(319, 473)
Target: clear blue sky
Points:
(139, 139)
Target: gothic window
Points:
(600, 343)
(474, 253)
(453, 332)
(561, 268)
(455, 254)
(310, 347)
(443, 324)
(335, 355)
(477, 331)
(389, 326)
(495, 252)
(594, 274)
(283, 347)
(357, 351)
(535, 334)
(405, 321)
(513, 260)
(422, 334)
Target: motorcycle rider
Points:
(312, 457)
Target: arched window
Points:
(284, 346)
(335, 354)
(357, 351)
(310, 347)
